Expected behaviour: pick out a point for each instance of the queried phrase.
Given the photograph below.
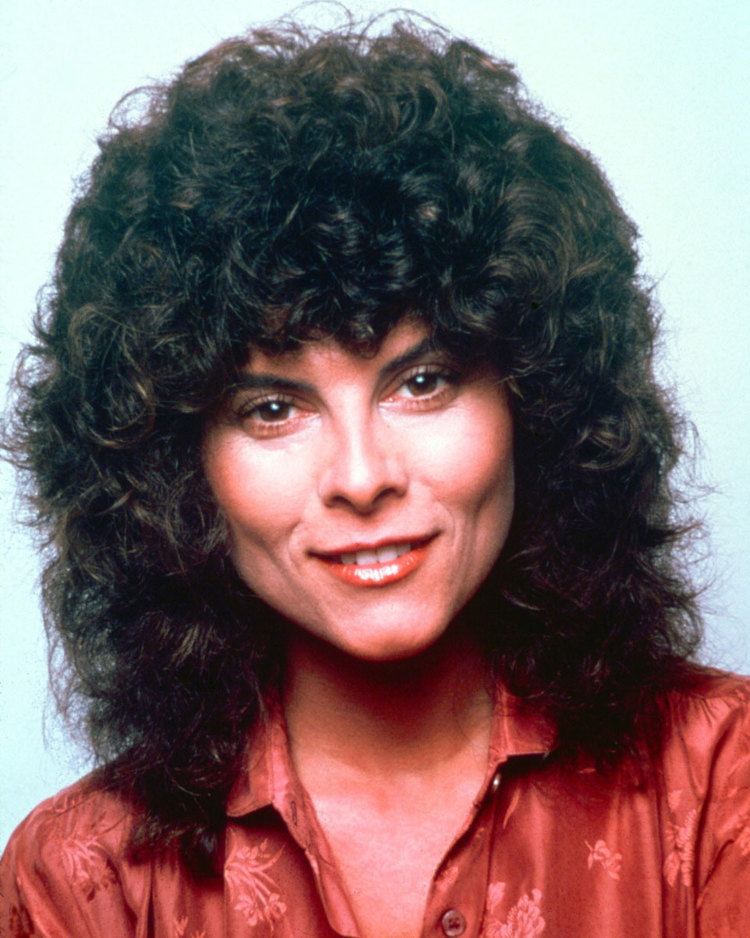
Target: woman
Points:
(364, 555)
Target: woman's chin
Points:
(383, 642)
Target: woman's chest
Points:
(387, 865)
(527, 866)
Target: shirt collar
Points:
(268, 778)
(267, 772)
(518, 728)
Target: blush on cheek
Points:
(474, 463)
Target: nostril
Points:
(362, 473)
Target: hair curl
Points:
(288, 186)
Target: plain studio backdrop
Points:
(658, 95)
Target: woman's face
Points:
(366, 498)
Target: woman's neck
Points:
(386, 719)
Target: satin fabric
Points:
(546, 850)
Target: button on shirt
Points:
(453, 923)
(546, 850)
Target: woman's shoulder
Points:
(708, 718)
(709, 700)
(66, 855)
(712, 684)
(83, 811)
(704, 770)
(704, 793)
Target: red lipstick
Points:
(376, 566)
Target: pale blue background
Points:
(659, 95)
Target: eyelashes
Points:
(271, 409)
(426, 382)
(422, 388)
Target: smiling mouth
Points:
(365, 558)
(377, 566)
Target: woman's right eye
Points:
(271, 411)
(268, 416)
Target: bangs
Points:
(350, 260)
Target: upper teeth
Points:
(384, 554)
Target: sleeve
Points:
(58, 882)
(15, 921)
(32, 904)
(724, 902)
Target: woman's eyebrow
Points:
(268, 381)
(409, 357)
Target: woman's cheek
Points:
(471, 460)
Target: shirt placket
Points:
(456, 900)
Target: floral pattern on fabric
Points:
(181, 929)
(87, 866)
(743, 840)
(19, 923)
(66, 799)
(524, 920)
(600, 853)
(742, 823)
(254, 891)
(680, 842)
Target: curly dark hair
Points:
(293, 185)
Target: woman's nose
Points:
(364, 467)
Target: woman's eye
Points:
(425, 384)
(274, 411)
(268, 417)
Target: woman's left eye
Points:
(426, 382)
(425, 385)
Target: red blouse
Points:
(545, 850)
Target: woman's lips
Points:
(377, 566)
